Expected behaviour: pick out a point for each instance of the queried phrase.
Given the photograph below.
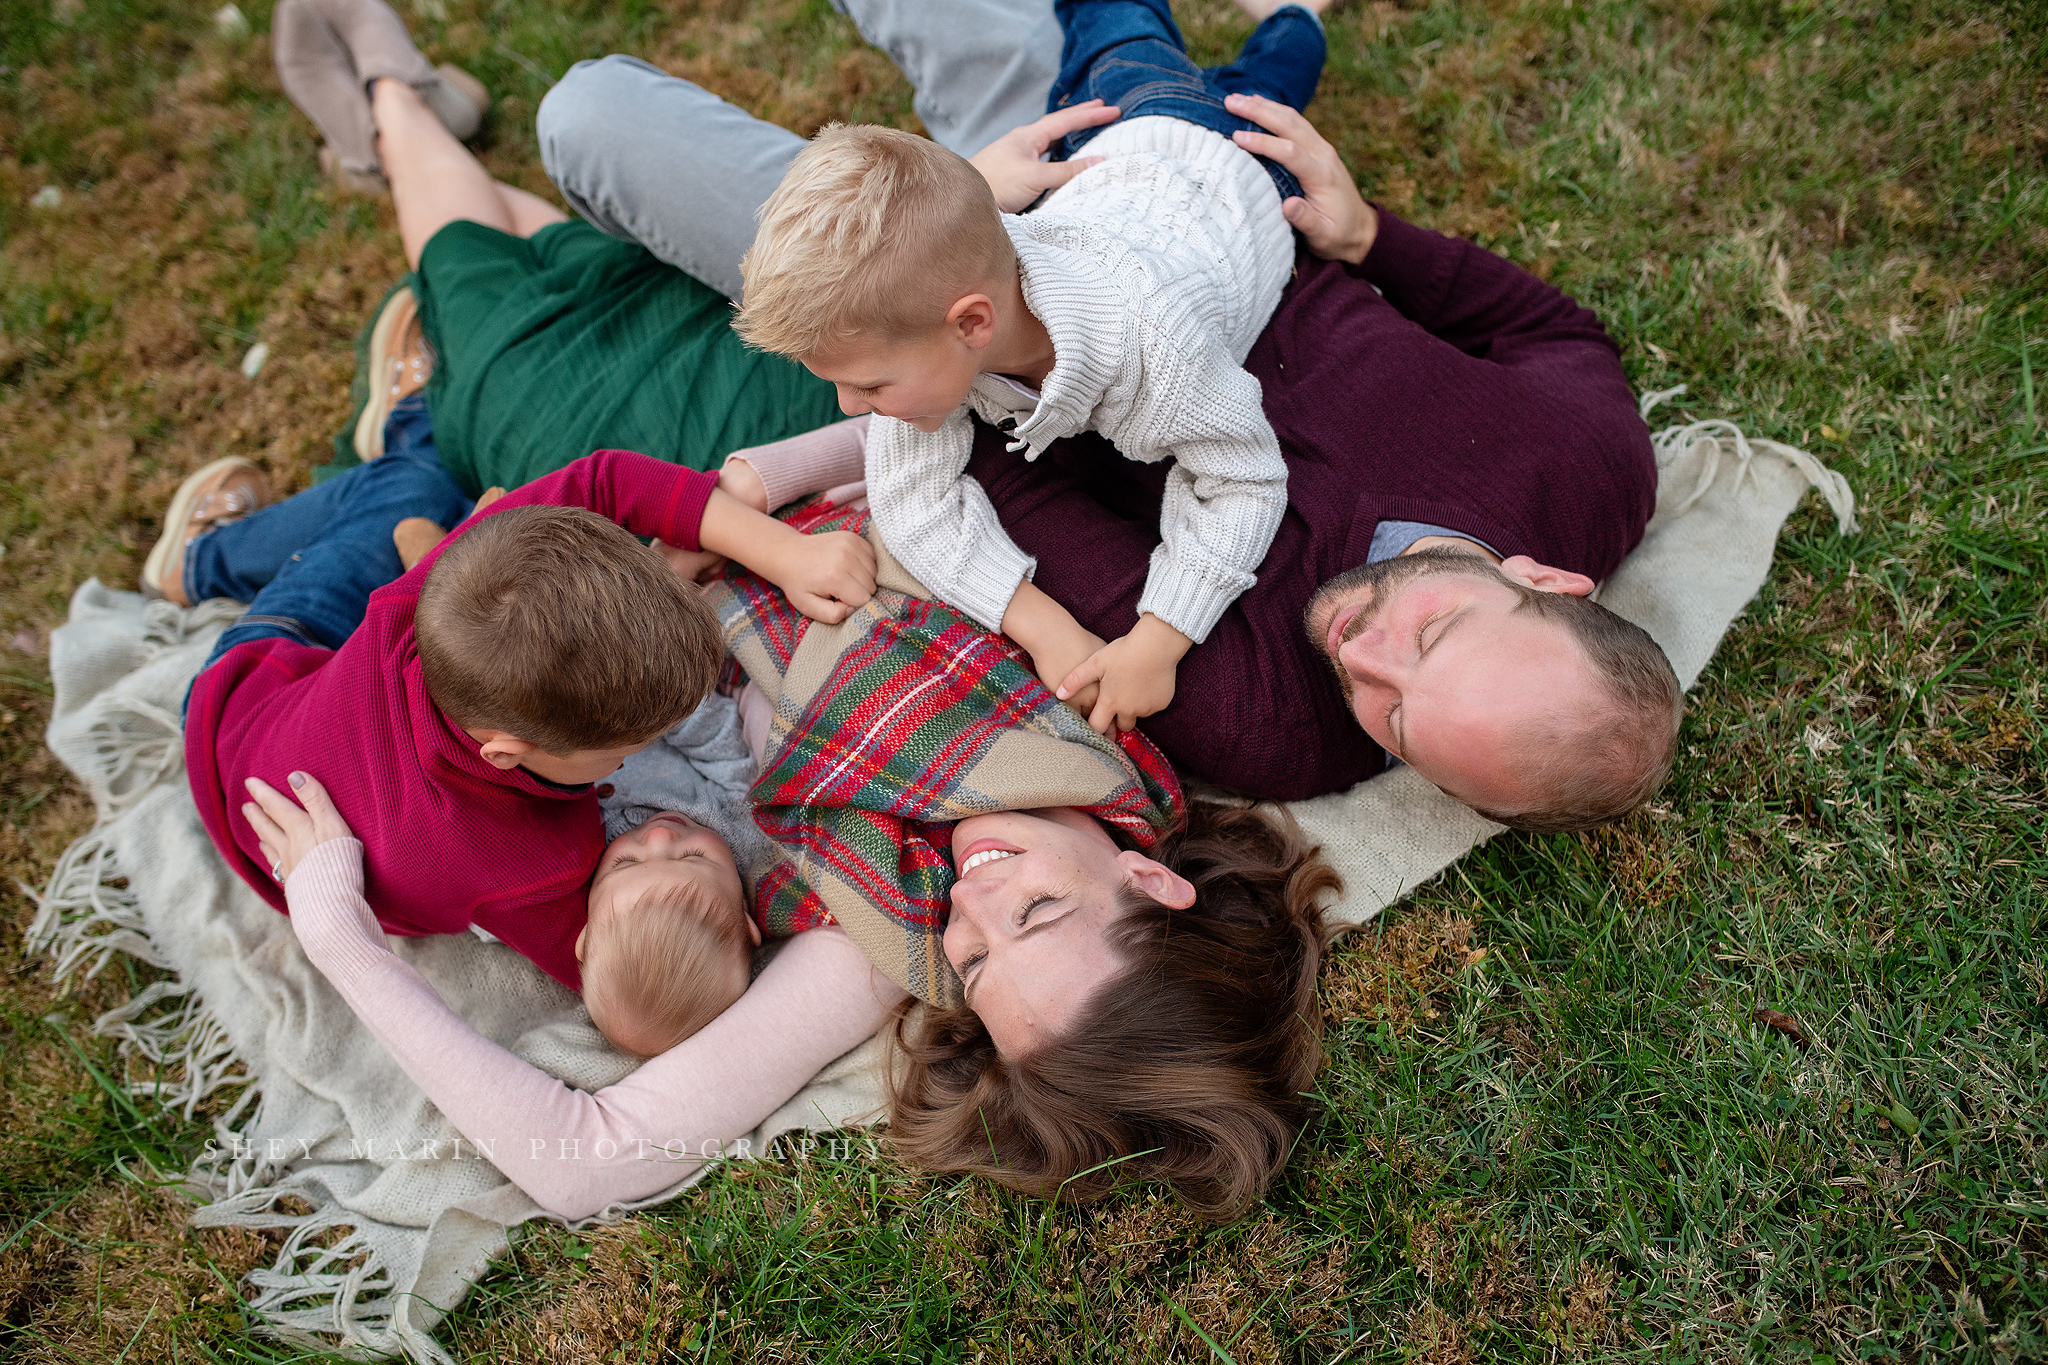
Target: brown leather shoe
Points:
(224, 491)
(400, 364)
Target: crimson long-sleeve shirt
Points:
(1464, 393)
(448, 839)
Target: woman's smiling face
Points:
(1036, 895)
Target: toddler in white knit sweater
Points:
(1125, 305)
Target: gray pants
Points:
(654, 159)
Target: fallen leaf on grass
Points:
(1783, 1023)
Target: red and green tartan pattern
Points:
(867, 776)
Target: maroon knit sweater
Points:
(448, 839)
(1471, 396)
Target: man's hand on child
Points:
(1134, 675)
(1011, 163)
(287, 833)
(1336, 220)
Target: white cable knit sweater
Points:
(1154, 273)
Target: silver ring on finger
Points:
(277, 870)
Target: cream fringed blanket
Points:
(404, 1217)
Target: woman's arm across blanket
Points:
(574, 1151)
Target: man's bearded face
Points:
(1443, 665)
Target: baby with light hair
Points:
(670, 940)
(1125, 305)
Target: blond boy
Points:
(1125, 305)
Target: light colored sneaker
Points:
(400, 364)
(224, 491)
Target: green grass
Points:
(1553, 1122)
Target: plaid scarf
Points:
(891, 726)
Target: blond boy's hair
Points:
(872, 233)
(653, 977)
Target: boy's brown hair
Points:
(653, 977)
(872, 232)
(556, 626)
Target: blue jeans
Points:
(307, 566)
(1130, 53)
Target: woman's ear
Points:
(1157, 880)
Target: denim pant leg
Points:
(308, 565)
(1282, 60)
(1131, 54)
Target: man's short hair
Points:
(873, 233)
(556, 626)
(1619, 756)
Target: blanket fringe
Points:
(320, 1287)
(83, 919)
(86, 916)
(1724, 438)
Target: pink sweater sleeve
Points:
(810, 463)
(574, 1151)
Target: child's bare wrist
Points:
(1160, 640)
(739, 479)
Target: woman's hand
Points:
(1011, 163)
(1336, 220)
(286, 832)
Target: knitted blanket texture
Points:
(404, 1217)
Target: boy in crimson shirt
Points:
(461, 713)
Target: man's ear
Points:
(1544, 578)
(1157, 880)
(499, 749)
(973, 320)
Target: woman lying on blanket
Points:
(1117, 983)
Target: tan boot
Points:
(400, 365)
(224, 491)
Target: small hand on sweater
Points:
(1134, 675)
(1336, 220)
(286, 832)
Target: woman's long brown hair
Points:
(1188, 1067)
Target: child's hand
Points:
(1135, 675)
(824, 576)
(1058, 658)
(285, 832)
